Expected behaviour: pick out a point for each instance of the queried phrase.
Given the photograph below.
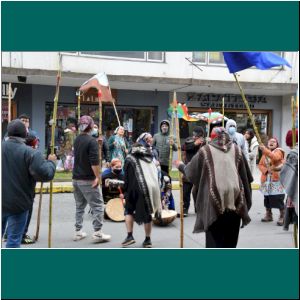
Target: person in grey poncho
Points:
(221, 178)
(289, 179)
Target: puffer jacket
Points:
(161, 142)
(275, 162)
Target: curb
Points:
(69, 189)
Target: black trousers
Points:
(165, 168)
(187, 189)
(224, 232)
(28, 220)
(274, 201)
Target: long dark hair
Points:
(251, 133)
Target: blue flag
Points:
(237, 61)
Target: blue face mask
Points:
(232, 130)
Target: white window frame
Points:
(155, 60)
(198, 62)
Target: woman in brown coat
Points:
(270, 165)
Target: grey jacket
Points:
(162, 144)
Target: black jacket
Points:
(22, 167)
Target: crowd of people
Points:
(217, 170)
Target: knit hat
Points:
(289, 138)
(16, 128)
(86, 122)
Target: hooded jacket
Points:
(238, 139)
(22, 167)
(161, 142)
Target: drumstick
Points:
(121, 192)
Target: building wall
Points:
(175, 66)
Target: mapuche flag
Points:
(237, 61)
(99, 82)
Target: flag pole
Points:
(208, 122)
(100, 135)
(180, 175)
(223, 111)
(9, 103)
(248, 109)
(78, 107)
(115, 109)
(293, 108)
(58, 78)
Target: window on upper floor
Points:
(131, 55)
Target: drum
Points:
(114, 209)
(167, 217)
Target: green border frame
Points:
(157, 273)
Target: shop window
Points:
(136, 120)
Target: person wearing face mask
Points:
(162, 141)
(253, 148)
(270, 165)
(86, 179)
(237, 138)
(115, 172)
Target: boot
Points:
(281, 218)
(268, 217)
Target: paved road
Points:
(255, 235)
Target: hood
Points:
(166, 122)
(229, 123)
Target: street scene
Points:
(112, 149)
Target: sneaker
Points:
(100, 237)
(147, 244)
(128, 241)
(79, 235)
(185, 213)
(27, 240)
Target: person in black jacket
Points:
(190, 148)
(22, 167)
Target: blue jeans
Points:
(15, 226)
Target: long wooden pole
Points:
(171, 133)
(180, 175)
(248, 109)
(223, 111)
(9, 103)
(58, 78)
(293, 108)
(38, 220)
(78, 108)
(100, 133)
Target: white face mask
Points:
(232, 130)
(83, 127)
(94, 132)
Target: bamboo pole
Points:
(58, 77)
(180, 175)
(223, 111)
(9, 103)
(78, 107)
(172, 133)
(293, 108)
(115, 109)
(38, 221)
(248, 109)
(208, 122)
(100, 134)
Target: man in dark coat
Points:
(22, 167)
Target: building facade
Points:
(142, 84)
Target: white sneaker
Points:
(100, 237)
(79, 235)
